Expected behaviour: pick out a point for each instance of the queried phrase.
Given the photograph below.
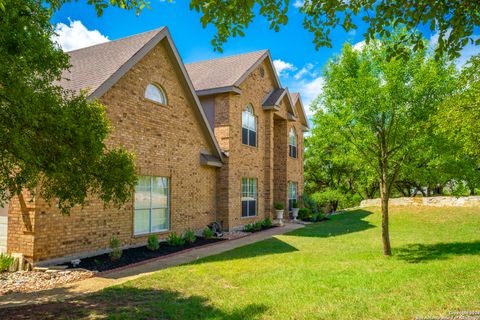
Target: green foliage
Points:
(295, 204)
(6, 261)
(249, 227)
(115, 245)
(453, 20)
(459, 115)
(317, 217)
(279, 206)
(207, 233)
(175, 240)
(189, 236)
(329, 197)
(304, 214)
(152, 243)
(52, 139)
(266, 223)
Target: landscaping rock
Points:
(30, 281)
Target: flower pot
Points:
(279, 214)
(295, 213)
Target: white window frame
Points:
(292, 194)
(249, 123)
(249, 192)
(292, 145)
(166, 208)
(163, 97)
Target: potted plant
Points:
(279, 210)
(295, 210)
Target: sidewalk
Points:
(122, 275)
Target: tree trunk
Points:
(385, 196)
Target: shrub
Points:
(6, 262)
(257, 226)
(152, 243)
(279, 206)
(294, 204)
(116, 249)
(207, 233)
(189, 236)
(249, 227)
(304, 214)
(175, 240)
(267, 223)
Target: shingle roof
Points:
(99, 67)
(274, 98)
(222, 72)
(93, 66)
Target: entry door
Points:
(3, 228)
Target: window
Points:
(292, 194)
(249, 197)
(292, 144)
(152, 199)
(249, 127)
(155, 93)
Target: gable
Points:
(88, 70)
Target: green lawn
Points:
(330, 270)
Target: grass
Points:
(329, 270)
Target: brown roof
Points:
(99, 67)
(225, 72)
(274, 98)
(93, 66)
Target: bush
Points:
(249, 227)
(304, 214)
(207, 233)
(152, 243)
(279, 206)
(175, 240)
(294, 204)
(267, 223)
(317, 217)
(6, 262)
(189, 236)
(257, 226)
(116, 249)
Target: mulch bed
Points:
(103, 262)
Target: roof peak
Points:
(153, 31)
(230, 56)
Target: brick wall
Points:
(166, 140)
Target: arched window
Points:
(155, 93)
(292, 143)
(249, 127)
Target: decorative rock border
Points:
(440, 201)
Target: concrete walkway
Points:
(102, 281)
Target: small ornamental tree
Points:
(52, 142)
(384, 108)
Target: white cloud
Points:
(309, 90)
(306, 71)
(298, 3)
(283, 67)
(76, 36)
(359, 45)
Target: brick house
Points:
(218, 140)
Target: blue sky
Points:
(298, 63)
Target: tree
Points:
(383, 108)
(459, 116)
(455, 21)
(51, 140)
(332, 164)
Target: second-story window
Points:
(155, 93)
(249, 127)
(292, 144)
